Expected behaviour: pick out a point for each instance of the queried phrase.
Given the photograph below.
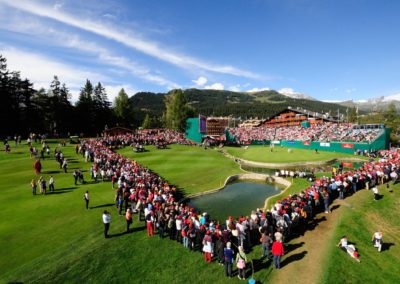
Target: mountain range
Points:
(262, 104)
(368, 105)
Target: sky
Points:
(331, 50)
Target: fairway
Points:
(282, 155)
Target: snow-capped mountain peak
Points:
(289, 92)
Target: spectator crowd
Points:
(155, 201)
(323, 132)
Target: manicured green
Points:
(361, 217)
(193, 169)
(282, 155)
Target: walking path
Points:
(307, 254)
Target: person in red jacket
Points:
(277, 251)
(37, 166)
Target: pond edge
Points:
(246, 176)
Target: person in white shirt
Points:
(86, 198)
(377, 240)
(51, 183)
(106, 222)
(375, 191)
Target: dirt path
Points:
(305, 255)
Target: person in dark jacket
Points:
(228, 260)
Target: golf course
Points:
(53, 238)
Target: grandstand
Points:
(299, 128)
(328, 136)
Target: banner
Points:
(291, 142)
(307, 143)
(202, 124)
(347, 145)
(347, 164)
(276, 142)
(324, 144)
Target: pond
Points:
(235, 199)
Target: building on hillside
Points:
(295, 117)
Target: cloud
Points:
(58, 5)
(127, 38)
(40, 69)
(201, 81)
(235, 88)
(254, 90)
(71, 40)
(349, 91)
(215, 86)
(113, 90)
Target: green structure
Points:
(193, 130)
(305, 124)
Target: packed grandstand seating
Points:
(324, 132)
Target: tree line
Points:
(24, 110)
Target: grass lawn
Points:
(193, 169)
(54, 239)
(281, 155)
(362, 217)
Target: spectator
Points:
(377, 240)
(128, 218)
(375, 191)
(241, 260)
(277, 251)
(228, 259)
(106, 222)
(38, 167)
(34, 186)
(86, 198)
(51, 184)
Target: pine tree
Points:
(123, 109)
(177, 110)
(146, 122)
(85, 109)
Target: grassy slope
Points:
(281, 155)
(360, 219)
(191, 168)
(54, 239)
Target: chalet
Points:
(295, 117)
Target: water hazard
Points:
(235, 199)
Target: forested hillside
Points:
(222, 103)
